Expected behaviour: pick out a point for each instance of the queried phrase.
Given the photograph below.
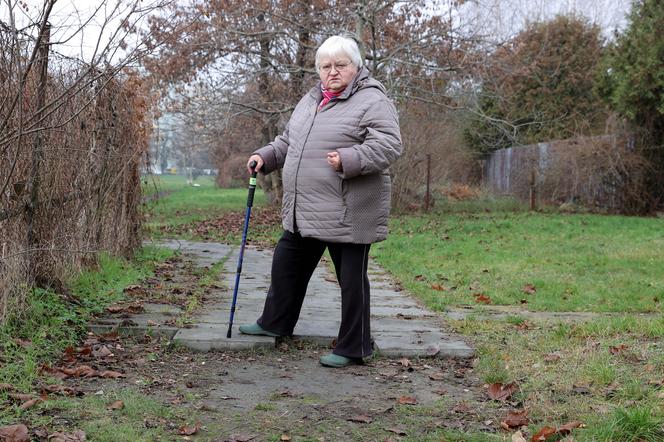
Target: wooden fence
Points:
(601, 172)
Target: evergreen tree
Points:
(539, 87)
(632, 82)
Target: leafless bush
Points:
(603, 173)
(597, 172)
(71, 139)
(232, 170)
(428, 131)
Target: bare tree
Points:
(254, 60)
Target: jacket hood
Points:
(362, 80)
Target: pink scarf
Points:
(328, 96)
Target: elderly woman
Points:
(335, 153)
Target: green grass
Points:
(636, 424)
(141, 418)
(576, 262)
(184, 204)
(617, 396)
(52, 323)
(588, 263)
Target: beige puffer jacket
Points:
(351, 206)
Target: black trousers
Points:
(295, 259)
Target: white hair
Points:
(339, 45)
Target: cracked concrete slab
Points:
(400, 325)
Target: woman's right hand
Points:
(259, 163)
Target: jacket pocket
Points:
(343, 216)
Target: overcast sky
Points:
(501, 18)
(508, 17)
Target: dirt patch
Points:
(285, 391)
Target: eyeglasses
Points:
(327, 67)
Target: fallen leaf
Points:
(568, 427)
(30, 403)
(420, 278)
(40, 433)
(117, 405)
(85, 371)
(129, 308)
(529, 289)
(397, 431)
(14, 433)
(407, 400)
(152, 323)
(405, 362)
(481, 298)
(552, 357)
(7, 387)
(518, 437)
(581, 389)
(23, 342)
(438, 287)
(515, 419)
(617, 349)
(189, 430)
(402, 316)
(331, 279)
(80, 371)
(461, 407)
(543, 434)
(134, 290)
(110, 336)
(440, 392)
(285, 437)
(76, 436)
(500, 392)
(387, 410)
(439, 376)
(57, 388)
(361, 418)
(525, 325)
(286, 393)
(102, 352)
(21, 397)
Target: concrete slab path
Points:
(400, 326)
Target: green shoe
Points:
(255, 329)
(336, 361)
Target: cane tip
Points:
(228, 335)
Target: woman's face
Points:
(336, 72)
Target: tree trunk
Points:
(32, 240)
(271, 184)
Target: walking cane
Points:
(250, 202)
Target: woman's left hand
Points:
(334, 160)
